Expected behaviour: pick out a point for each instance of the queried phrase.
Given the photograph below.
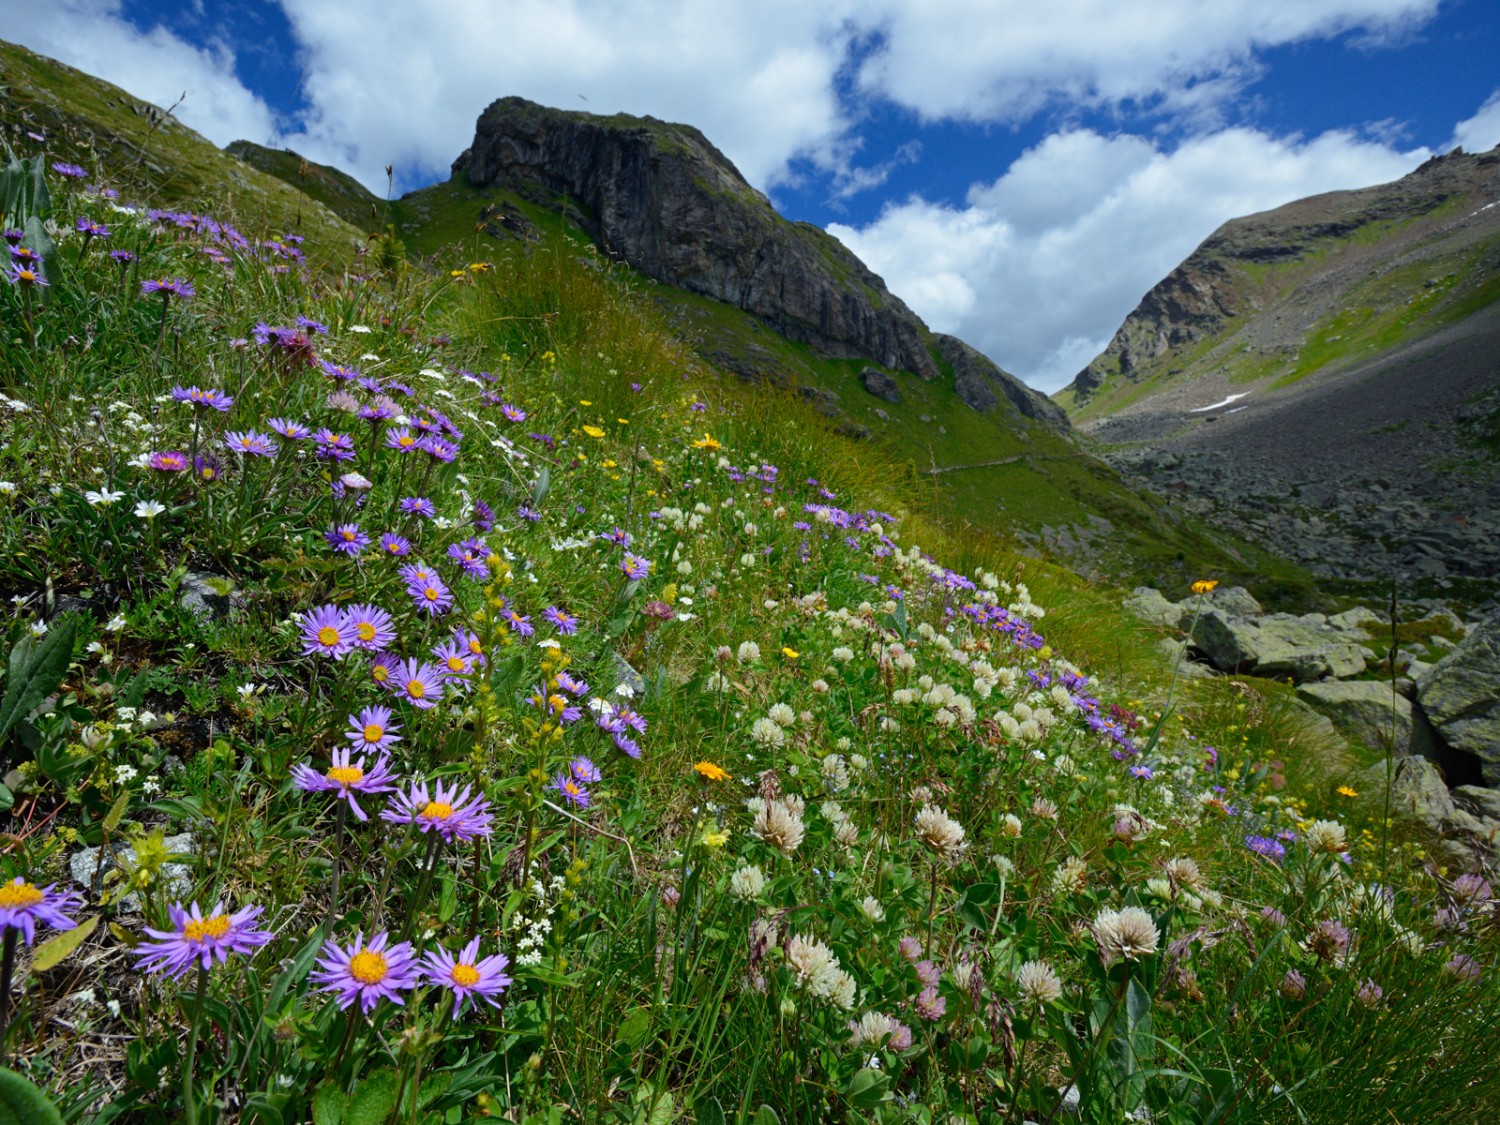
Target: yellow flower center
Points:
(380, 673)
(328, 636)
(406, 440)
(348, 535)
(416, 689)
(215, 927)
(436, 810)
(475, 647)
(430, 594)
(367, 967)
(19, 895)
(465, 976)
(455, 664)
(347, 775)
(365, 631)
(373, 732)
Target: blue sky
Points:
(1019, 172)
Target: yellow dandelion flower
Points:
(706, 442)
(1345, 791)
(1204, 585)
(584, 402)
(479, 267)
(790, 653)
(711, 772)
(593, 431)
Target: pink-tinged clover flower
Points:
(367, 973)
(374, 629)
(169, 461)
(347, 538)
(421, 685)
(23, 905)
(326, 632)
(454, 813)
(347, 776)
(466, 975)
(250, 442)
(194, 939)
(372, 729)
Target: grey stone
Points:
(880, 384)
(1230, 644)
(1358, 618)
(1418, 792)
(176, 878)
(624, 675)
(1460, 695)
(1176, 653)
(1479, 800)
(1233, 600)
(207, 596)
(1363, 709)
(1147, 603)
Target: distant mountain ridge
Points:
(1327, 375)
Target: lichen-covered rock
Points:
(1148, 604)
(1460, 696)
(1364, 709)
(880, 384)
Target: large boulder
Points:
(1233, 600)
(1364, 709)
(1279, 646)
(1148, 604)
(1460, 696)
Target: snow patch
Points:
(1226, 402)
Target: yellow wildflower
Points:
(706, 442)
(790, 653)
(1345, 791)
(715, 837)
(711, 772)
(593, 431)
(1205, 585)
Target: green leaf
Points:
(328, 1104)
(710, 1112)
(765, 1115)
(117, 811)
(635, 1028)
(867, 1088)
(22, 1103)
(543, 486)
(373, 1101)
(52, 952)
(37, 677)
(7, 798)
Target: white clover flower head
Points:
(767, 732)
(747, 883)
(1128, 933)
(779, 823)
(748, 652)
(940, 832)
(782, 715)
(1325, 836)
(1037, 983)
(870, 907)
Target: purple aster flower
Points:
(1268, 846)
(470, 559)
(332, 446)
(248, 441)
(401, 439)
(572, 790)
(338, 371)
(430, 595)
(625, 744)
(1141, 771)
(347, 776)
(325, 631)
(292, 431)
(308, 322)
(512, 413)
(465, 975)
(373, 628)
(194, 939)
(484, 516)
(635, 567)
(23, 905)
(203, 399)
(168, 461)
(519, 623)
(453, 812)
(574, 687)
(528, 513)
(169, 287)
(421, 685)
(618, 536)
(13, 235)
(90, 229)
(418, 506)
(124, 257)
(564, 622)
(555, 706)
(439, 449)
(393, 544)
(366, 973)
(206, 467)
(379, 410)
(383, 666)
(453, 659)
(584, 771)
(70, 171)
(348, 538)
(372, 729)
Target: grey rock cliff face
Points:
(665, 200)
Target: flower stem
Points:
(189, 1095)
(338, 857)
(7, 966)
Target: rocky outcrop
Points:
(1460, 698)
(1367, 710)
(662, 198)
(881, 384)
(983, 386)
(1279, 646)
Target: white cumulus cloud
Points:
(1481, 132)
(1039, 268)
(156, 66)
